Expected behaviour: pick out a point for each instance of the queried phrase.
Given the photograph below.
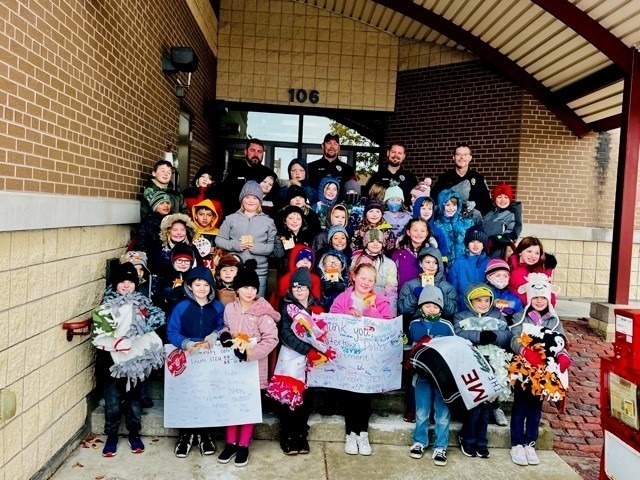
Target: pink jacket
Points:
(259, 322)
(518, 273)
(343, 303)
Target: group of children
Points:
(434, 263)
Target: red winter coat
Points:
(285, 281)
(518, 273)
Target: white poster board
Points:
(368, 355)
(210, 388)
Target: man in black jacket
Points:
(329, 165)
(394, 171)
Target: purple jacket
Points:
(407, 263)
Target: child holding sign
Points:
(194, 324)
(359, 300)
(250, 328)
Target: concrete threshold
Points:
(326, 461)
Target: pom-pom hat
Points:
(247, 276)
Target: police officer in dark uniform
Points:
(329, 165)
(396, 153)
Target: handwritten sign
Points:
(210, 388)
(368, 355)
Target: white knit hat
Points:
(538, 285)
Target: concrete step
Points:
(385, 428)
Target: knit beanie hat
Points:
(538, 285)
(284, 213)
(352, 185)
(247, 276)
(431, 294)
(199, 272)
(475, 233)
(229, 260)
(135, 258)
(393, 192)
(477, 290)
(208, 169)
(305, 253)
(372, 235)
(374, 203)
(422, 189)
(156, 197)
(122, 272)
(301, 277)
(502, 189)
(496, 265)
(252, 188)
(182, 250)
(336, 229)
(296, 191)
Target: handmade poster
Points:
(210, 388)
(368, 355)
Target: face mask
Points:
(499, 284)
(352, 198)
(430, 317)
(394, 206)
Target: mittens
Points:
(242, 356)
(487, 337)
(315, 357)
(531, 356)
(226, 340)
(563, 361)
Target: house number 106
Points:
(300, 95)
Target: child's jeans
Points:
(239, 434)
(475, 425)
(525, 417)
(116, 398)
(426, 396)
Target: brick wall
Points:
(85, 108)
(463, 102)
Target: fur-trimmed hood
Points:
(169, 220)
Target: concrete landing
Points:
(327, 461)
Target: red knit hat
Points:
(502, 189)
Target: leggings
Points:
(239, 434)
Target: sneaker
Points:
(183, 447)
(364, 447)
(483, 452)
(135, 442)
(417, 450)
(409, 417)
(207, 446)
(530, 453)
(288, 446)
(242, 457)
(467, 450)
(230, 451)
(303, 444)
(110, 446)
(351, 444)
(500, 417)
(439, 457)
(518, 456)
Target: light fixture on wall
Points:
(179, 60)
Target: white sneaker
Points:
(530, 453)
(351, 444)
(518, 456)
(364, 447)
(501, 418)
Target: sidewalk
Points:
(327, 461)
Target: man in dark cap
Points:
(329, 165)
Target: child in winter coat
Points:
(249, 319)
(424, 208)
(485, 327)
(373, 219)
(387, 272)
(395, 214)
(299, 177)
(292, 231)
(338, 216)
(249, 232)
(303, 345)
(469, 267)
(431, 325)
(206, 219)
(203, 187)
(226, 271)
(338, 239)
(536, 373)
(194, 324)
(497, 274)
(452, 223)
(334, 276)
(128, 350)
(355, 204)
(359, 300)
(170, 291)
(299, 256)
(503, 223)
(529, 257)
(147, 282)
(147, 238)
(328, 191)
(271, 190)
(175, 229)
(297, 196)
(160, 181)
(415, 238)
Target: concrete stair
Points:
(326, 425)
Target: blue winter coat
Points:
(454, 227)
(466, 270)
(434, 230)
